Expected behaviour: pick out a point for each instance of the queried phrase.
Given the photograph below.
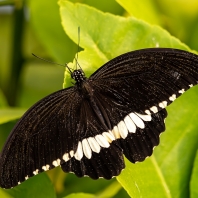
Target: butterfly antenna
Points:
(76, 58)
(78, 63)
(52, 62)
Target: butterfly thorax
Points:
(87, 92)
(78, 76)
(83, 85)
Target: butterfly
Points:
(88, 128)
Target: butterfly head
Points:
(78, 75)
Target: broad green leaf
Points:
(192, 37)
(49, 30)
(175, 155)
(144, 10)
(7, 115)
(4, 194)
(173, 159)
(80, 195)
(38, 186)
(188, 9)
(144, 179)
(104, 36)
(115, 35)
(181, 21)
(45, 19)
(106, 6)
(194, 179)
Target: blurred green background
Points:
(34, 26)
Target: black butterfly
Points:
(87, 128)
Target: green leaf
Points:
(144, 10)
(106, 6)
(100, 187)
(115, 35)
(194, 179)
(176, 153)
(110, 191)
(7, 115)
(80, 195)
(172, 163)
(144, 179)
(49, 30)
(105, 36)
(37, 186)
(186, 9)
(4, 194)
(39, 80)
(182, 21)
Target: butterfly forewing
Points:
(87, 128)
(43, 135)
(149, 77)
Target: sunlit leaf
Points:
(194, 179)
(144, 179)
(178, 146)
(4, 194)
(38, 186)
(49, 30)
(118, 35)
(144, 10)
(80, 195)
(7, 115)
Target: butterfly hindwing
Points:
(100, 150)
(139, 145)
(108, 162)
(96, 155)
